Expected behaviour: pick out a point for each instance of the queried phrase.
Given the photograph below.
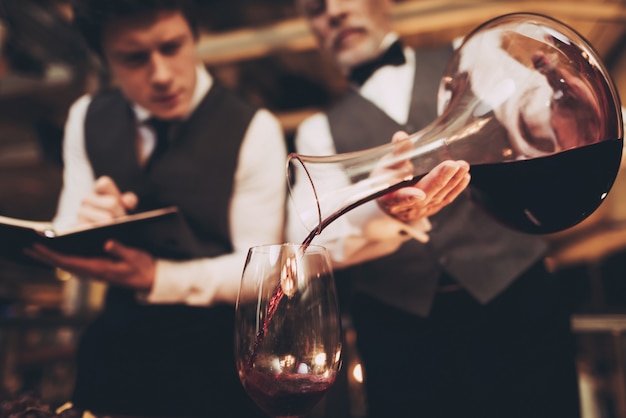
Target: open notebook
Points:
(85, 240)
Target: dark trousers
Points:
(161, 361)
(511, 358)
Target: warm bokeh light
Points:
(357, 373)
(320, 359)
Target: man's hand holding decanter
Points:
(430, 194)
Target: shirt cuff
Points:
(389, 228)
(171, 284)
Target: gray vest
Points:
(196, 173)
(480, 254)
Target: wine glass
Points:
(287, 328)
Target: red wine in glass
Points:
(287, 328)
(289, 395)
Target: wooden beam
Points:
(421, 22)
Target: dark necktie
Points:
(161, 130)
(393, 56)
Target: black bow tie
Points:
(393, 56)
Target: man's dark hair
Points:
(90, 16)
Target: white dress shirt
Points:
(365, 232)
(256, 210)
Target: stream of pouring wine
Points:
(277, 293)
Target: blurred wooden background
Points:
(263, 50)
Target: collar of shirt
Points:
(146, 140)
(204, 81)
(386, 55)
(390, 38)
(390, 88)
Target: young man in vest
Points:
(459, 320)
(157, 349)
